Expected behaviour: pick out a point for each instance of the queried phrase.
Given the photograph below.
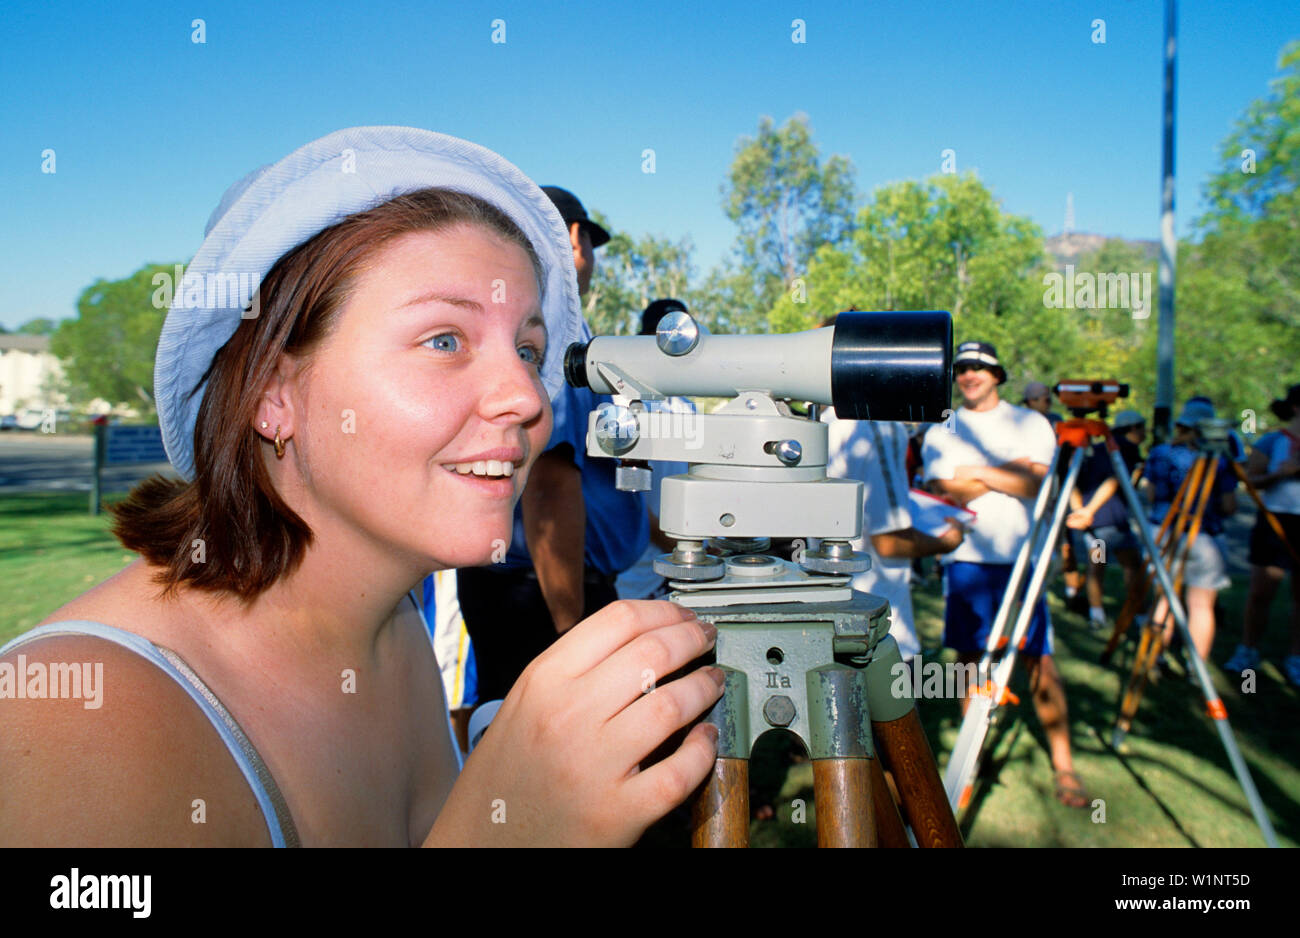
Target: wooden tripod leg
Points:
(842, 788)
(1148, 649)
(1127, 613)
(1266, 514)
(720, 812)
(1137, 598)
(906, 753)
(889, 823)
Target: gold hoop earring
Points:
(279, 444)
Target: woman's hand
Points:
(560, 764)
(1080, 520)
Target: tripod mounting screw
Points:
(779, 711)
(630, 476)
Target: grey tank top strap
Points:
(275, 811)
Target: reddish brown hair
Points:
(249, 536)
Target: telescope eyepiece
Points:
(575, 365)
(892, 366)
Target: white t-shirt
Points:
(1281, 497)
(990, 438)
(640, 581)
(875, 453)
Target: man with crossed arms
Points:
(992, 457)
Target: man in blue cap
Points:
(574, 531)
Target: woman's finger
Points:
(643, 726)
(645, 662)
(598, 636)
(666, 784)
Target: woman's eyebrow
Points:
(449, 299)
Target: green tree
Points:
(1238, 327)
(945, 244)
(107, 351)
(1119, 342)
(630, 272)
(38, 326)
(787, 204)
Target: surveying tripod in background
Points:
(1174, 541)
(1176, 537)
(1075, 438)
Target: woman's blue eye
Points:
(447, 342)
(531, 355)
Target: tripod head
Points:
(757, 469)
(1214, 435)
(1085, 396)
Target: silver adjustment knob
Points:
(678, 333)
(616, 429)
(788, 451)
(837, 557)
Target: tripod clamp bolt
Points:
(788, 451)
(778, 710)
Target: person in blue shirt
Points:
(574, 532)
(1274, 469)
(1207, 571)
(1099, 521)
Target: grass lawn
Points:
(51, 550)
(1172, 787)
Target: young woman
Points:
(370, 416)
(1206, 570)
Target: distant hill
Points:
(1068, 248)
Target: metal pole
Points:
(101, 432)
(1160, 423)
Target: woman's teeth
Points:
(483, 467)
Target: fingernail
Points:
(718, 676)
(711, 731)
(710, 630)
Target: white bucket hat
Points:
(278, 207)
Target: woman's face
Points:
(420, 414)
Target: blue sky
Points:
(148, 127)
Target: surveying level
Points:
(1084, 397)
(800, 649)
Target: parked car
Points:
(8, 422)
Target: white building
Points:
(27, 371)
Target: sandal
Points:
(1070, 791)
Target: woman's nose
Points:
(515, 390)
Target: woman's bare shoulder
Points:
(129, 599)
(102, 747)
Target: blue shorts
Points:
(974, 593)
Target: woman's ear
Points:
(278, 408)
